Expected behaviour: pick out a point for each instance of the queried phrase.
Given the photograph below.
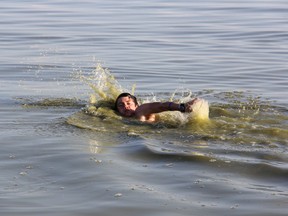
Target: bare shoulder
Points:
(147, 111)
(148, 108)
(143, 109)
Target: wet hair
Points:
(125, 94)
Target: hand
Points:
(188, 105)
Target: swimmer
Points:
(126, 105)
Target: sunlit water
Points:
(64, 150)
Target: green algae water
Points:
(240, 123)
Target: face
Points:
(126, 106)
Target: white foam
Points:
(200, 110)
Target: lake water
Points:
(63, 154)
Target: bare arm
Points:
(145, 110)
(156, 107)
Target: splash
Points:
(106, 89)
(235, 124)
(199, 116)
(239, 119)
(103, 83)
(200, 111)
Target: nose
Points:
(127, 106)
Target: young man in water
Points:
(127, 106)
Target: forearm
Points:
(158, 107)
(170, 106)
(182, 107)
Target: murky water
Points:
(64, 151)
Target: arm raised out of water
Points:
(126, 105)
(146, 112)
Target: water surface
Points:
(61, 157)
